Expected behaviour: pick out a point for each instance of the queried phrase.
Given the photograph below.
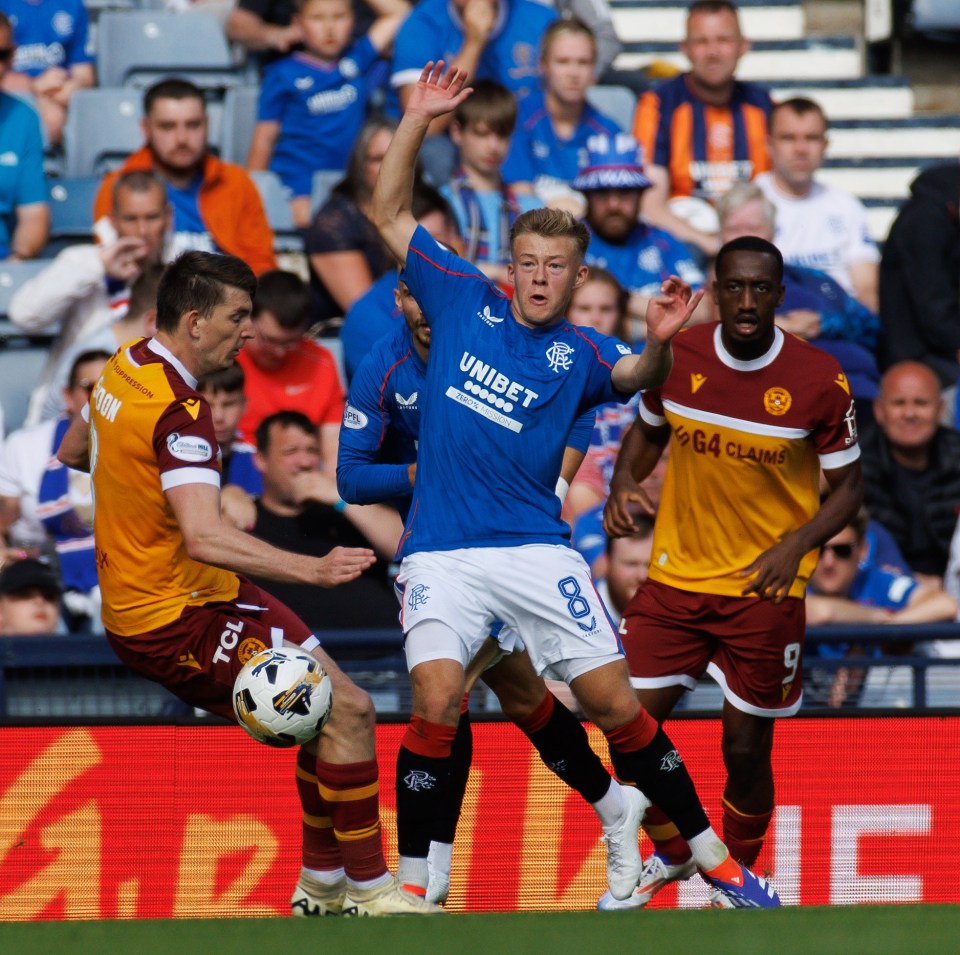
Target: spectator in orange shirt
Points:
(216, 205)
(285, 370)
(703, 130)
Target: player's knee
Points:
(353, 705)
(438, 704)
(744, 758)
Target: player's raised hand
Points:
(342, 565)
(669, 311)
(438, 92)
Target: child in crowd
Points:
(484, 205)
(556, 121)
(313, 102)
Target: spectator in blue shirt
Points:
(52, 58)
(485, 206)
(640, 256)
(375, 314)
(24, 212)
(555, 121)
(313, 103)
(844, 589)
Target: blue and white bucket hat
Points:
(613, 162)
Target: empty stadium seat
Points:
(12, 276)
(616, 102)
(239, 118)
(71, 212)
(287, 236)
(323, 182)
(137, 48)
(102, 129)
(21, 362)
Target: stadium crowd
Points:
(705, 158)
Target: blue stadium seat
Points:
(21, 358)
(21, 362)
(137, 48)
(71, 212)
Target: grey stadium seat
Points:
(102, 129)
(71, 212)
(137, 48)
(615, 102)
(287, 236)
(21, 359)
(239, 118)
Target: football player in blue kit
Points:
(377, 462)
(484, 540)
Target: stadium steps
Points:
(654, 20)
(768, 61)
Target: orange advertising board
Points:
(158, 822)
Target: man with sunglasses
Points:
(846, 588)
(752, 416)
(24, 211)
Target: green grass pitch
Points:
(862, 930)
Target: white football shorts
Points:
(543, 594)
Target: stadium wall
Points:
(177, 821)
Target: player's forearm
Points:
(649, 369)
(638, 454)
(393, 194)
(223, 545)
(372, 483)
(836, 512)
(74, 450)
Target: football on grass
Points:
(282, 697)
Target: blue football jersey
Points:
(320, 108)
(500, 402)
(537, 151)
(646, 260)
(52, 33)
(381, 422)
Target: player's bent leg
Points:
(349, 733)
(643, 753)
(561, 741)
(348, 789)
(670, 861)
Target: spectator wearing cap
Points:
(640, 256)
(29, 599)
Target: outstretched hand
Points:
(669, 311)
(342, 565)
(438, 93)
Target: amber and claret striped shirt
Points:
(748, 439)
(705, 149)
(149, 431)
